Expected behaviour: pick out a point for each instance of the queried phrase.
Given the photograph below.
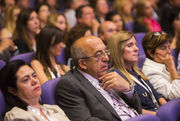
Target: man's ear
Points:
(149, 52)
(101, 36)
(12, 91)
(82, 64)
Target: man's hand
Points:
(114, 81)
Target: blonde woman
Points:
(123, 59)
(9, 21)
(124, 8)
(58, 20)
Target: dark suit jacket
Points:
(82, 102)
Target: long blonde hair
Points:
(8, 19)
(119, 5)
(116, 45)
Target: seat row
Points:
(168, 112)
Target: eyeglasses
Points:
(111, 30)
(99, 54)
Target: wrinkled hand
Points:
(114, 81)
(168, 60)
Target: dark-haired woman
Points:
(49, 45)
(21, 89)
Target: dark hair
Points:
(48, 36)
(8, 78)
(74, 34)
(167, 19)
(21, 27)
(110, 15)
(152, 40)
(38, 6)
(79, 11)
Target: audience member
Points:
(156, 10)
(168, 15)
(43, 11)
(123, 59)
(27, 26)
(9, 22)
(106, 30)
(58, 20)
(117, 19)
(70, 12)
(172, 25)
(159, 65)
(24, 4)
(144, 21)
(21, 89)
(101, 8)
(49, 45)
(74, 34)
(124, 8)
(90, 93)
(4, 4)
(53, 4)
(85, 15)
(7, 47)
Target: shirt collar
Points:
(89, 77)
(155, 65)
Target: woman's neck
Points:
(53, 60)
(128, 66)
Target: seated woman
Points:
(159, 65)
(49, 45)
(144, 21)
(27, 26)
(117, 19)
(58, 20)
(21, 89)
(123, 59)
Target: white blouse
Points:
(160, 78)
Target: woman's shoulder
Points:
(36, 63)
(15, 113)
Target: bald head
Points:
(84, 46)
(106, 30)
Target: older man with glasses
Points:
(89, 93)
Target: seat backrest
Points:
(61, 58)
(141, 59)
(2, 103)
(170, 111)
(145, 117)
(2, 64)
(139, 38)
(142, 56)
(27, 57)
(48, 91)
